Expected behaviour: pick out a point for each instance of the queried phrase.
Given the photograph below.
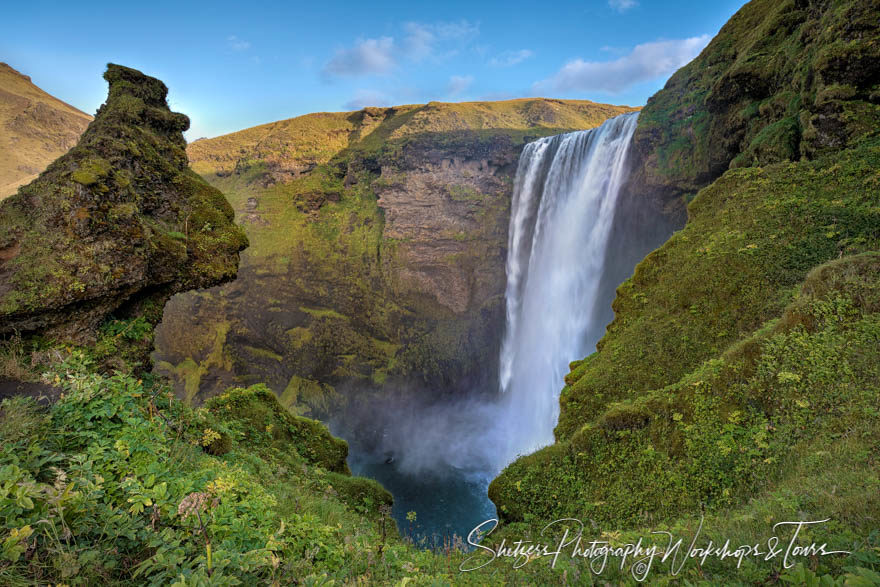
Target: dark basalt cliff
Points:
(117, 220)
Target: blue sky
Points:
(231, 65)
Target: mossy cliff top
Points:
(781, 80)
(118, 218)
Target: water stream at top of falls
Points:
(564, 201)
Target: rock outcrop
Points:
(35, 129)
(448, 210)
(117, 220)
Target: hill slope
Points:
(35, 129)
(298, 144)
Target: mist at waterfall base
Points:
(438, 457)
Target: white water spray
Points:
(563, 206)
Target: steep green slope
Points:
(781, 80)
(737, 364)
(377, 250)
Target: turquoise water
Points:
(448, 502)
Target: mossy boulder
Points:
(262, 421)
(118, 219)
(360, 493)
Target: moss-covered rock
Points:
(781, 80)
(261, 420)
(118, 219)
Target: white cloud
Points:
(510, 58)
(363, 98)
(368, 56)
(622, 5)
(645, 62)
(237, 44)
(425, 41)
(421, 41)
(458, 84)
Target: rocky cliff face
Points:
(115, 221)
(35, 129)
(448, 211)
(378, 241)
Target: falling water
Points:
(439, 458)
(563, 206)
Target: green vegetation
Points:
(117, 482)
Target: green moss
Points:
(261, 353)
(360, 493)
(266, 420)
(319, 313)
(777, 83)
(91, 171)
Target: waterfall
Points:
(565, 195)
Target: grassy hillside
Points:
(314, 139)
(35, 129)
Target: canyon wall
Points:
(378, 242)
